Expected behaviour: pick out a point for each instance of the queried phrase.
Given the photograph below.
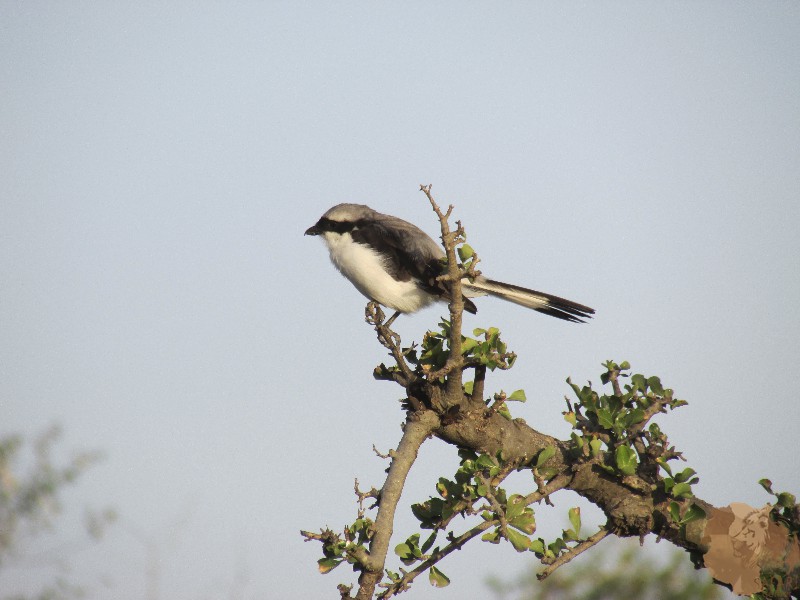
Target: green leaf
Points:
(570, 535)
(639, 382)
(675, 511)
(575, 519)
(634, 417)
(537, 546)
(786, 500)
(403, 551)
(437, 578)
(767, 485)
(326, 565)
(468, 387)
(684, 475)
(517, 396)
(624, 365)
(557, 546)
(545, 455)
(429, 542)
(694, 513)
(596, 446)
(655, 385)
(486, 461)
(514, 506)
(493, 537)
(571, 418)
(520, 541)
(664, 465)
(604, 418)
(468, 345)
(626, 460)
(525, 522)
(465, 252)
(681, 490)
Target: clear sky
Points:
(160, 162)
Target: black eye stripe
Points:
(336, 226)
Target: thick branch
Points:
(418, 427)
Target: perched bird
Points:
(396, 264)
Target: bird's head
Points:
(342, 218)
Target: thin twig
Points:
(455, 544)
(453, 277)
(389, 339)
(558, 482)
(572, 553)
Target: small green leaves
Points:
(545, 455)
(575, 519)
(539, 470)
(493, 536)
(409, 551)
(679, 485)
(492, 352)
(326, 565)
(693, 513)
(596, 446)
(465, 252)
(517, 396)
(468, 345)
(681, 490)
(437, 578)
(785, 510)
(519, 515)
(686, 476)
(626, 460)
(520, 541)
(537, 546)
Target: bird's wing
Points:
(408, 251)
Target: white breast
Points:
(365, 269)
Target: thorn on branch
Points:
(378, 453)
(372, 493)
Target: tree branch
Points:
(418, 427)
(572, 553)
(456, 543)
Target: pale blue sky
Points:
(160, 164)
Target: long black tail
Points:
(538, 301)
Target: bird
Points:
(394, 263)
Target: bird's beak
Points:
(313, 230)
